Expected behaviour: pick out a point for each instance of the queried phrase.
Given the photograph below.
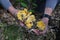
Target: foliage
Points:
(29, 4)
(11, 31)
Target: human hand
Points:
(42, 27)
(26, 17)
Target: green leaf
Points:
(31, 10)
(23, 4)
(34, 4)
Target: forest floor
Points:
(9, 30)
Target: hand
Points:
(42, 25)
(26, 18)
(44, 31)
(38, 32)
(45, 20)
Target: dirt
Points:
(8, 23)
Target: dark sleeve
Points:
(51, 3)
(5, 3)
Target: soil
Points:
(8, 23)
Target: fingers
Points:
(22, 24)
(36, 31)
(44, 31)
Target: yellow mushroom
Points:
(41, 25)
(29, 21)
(24, 14)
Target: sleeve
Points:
(51, 3)
(5, 3)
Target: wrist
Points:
(48, 11)
(46, 16)
(12, 10)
